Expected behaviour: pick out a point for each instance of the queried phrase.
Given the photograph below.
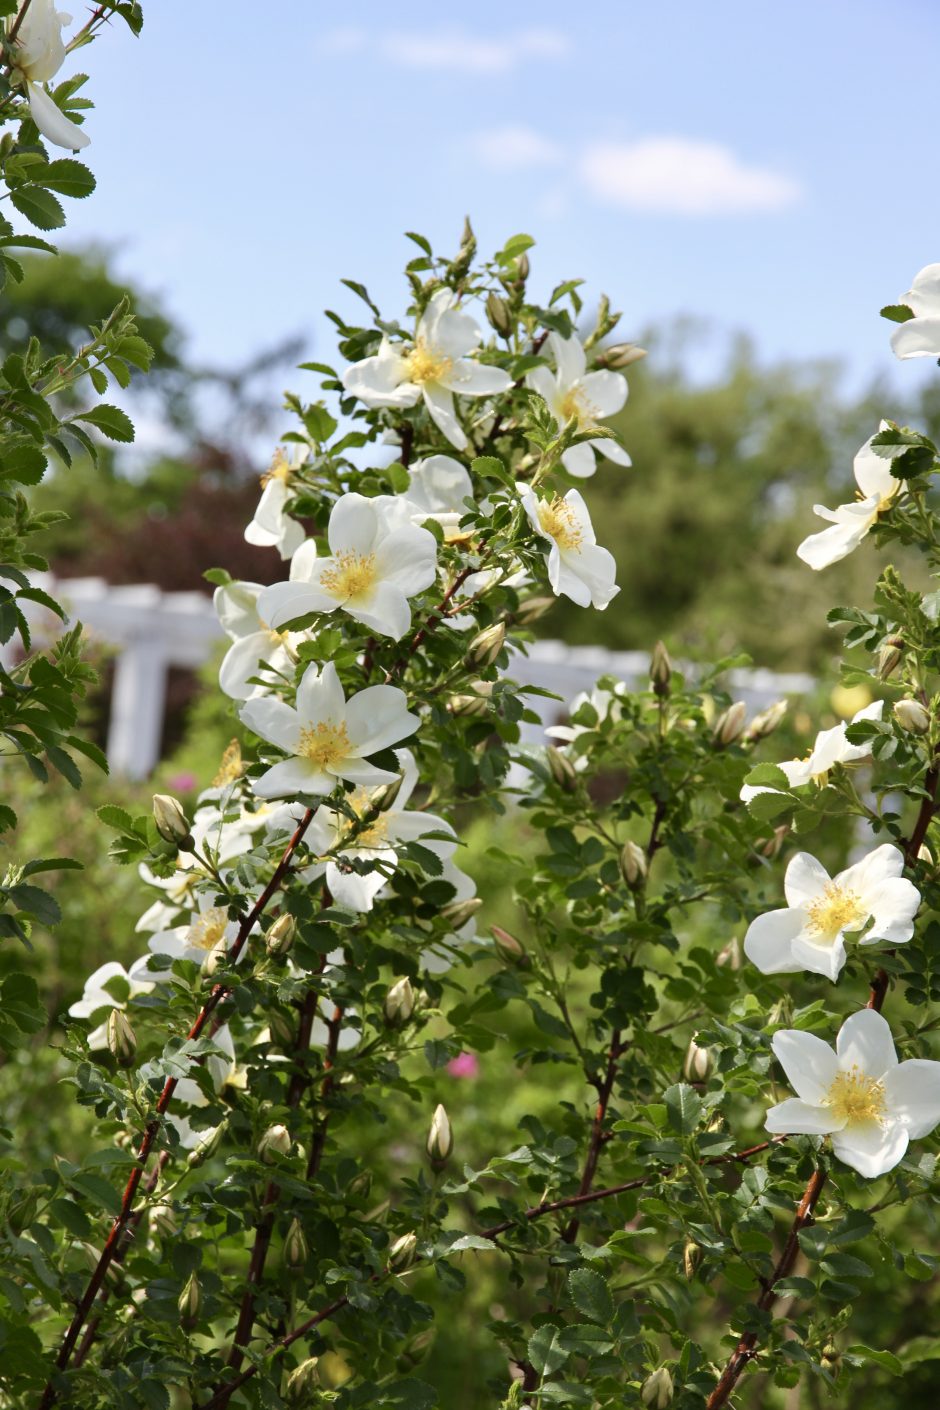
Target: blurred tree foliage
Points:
(704, 526)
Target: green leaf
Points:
(591, 1295)
(34, 902)
(546, 1351)
(19, 1003)
(683, 1108)
(24, 463)
(113, 816)
(471, 1241)
(111, 421)
(885, 1359)
(71, 1216)
(67, 176)
(764, 807)
(515, 246)
(39, 207)
(768, 776)
(898, 313)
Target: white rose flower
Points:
(831, 748)
(254, 643)
(851, 522)
(434, 367)
(223, 1070)
(223, 841)
(920, 335)
(272, 526)
(376, 842)
(589, 397)
(39, 53)
(809, 932)
(208, 927)
(859, 1095)
(577, 566)
(379, 559)
(326, 737)
(438, 488)
(98, 995)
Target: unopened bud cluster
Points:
(657, 1390)
(302, 1382)
(912, 716)
(399, 1003)
(509, 949)
(170, 821)
(729, 725)
(403, 1252)
(561, 769)
(699, 1063)
(660, 670)
(280, 936)
(633, 865)
(485, 647)
(440, 1140)
(122, 1041)
(274, 1144)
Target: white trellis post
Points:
(151, 631)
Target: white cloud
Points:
(515, 149)
(345, 40)
(460, 52)
(682, 176)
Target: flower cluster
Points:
(859, 1096)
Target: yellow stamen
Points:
(375, 833)
(558, 520)
(324, 744)
(206, 932)
(349, 575)
(835, 910)
(575, 403)
(424, 364)
(854, 1096)
(279, 469)
(231, 767)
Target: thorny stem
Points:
(598, 1133)
(745, 1349)
(113, 1242)
(265, 1227)
(222, 1396)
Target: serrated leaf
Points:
(546, 1351)
(111, 421)
(591, 1295)
(113, 816)
(39, 207)
(683, 1108)
(67, 176)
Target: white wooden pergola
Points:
(151, 631)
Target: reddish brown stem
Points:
(265, 1227)
(880, 980)
(433, 621)
(598, 1133)
(114, 1239)
(318, 1143)
(224, 1393)
(745, 1349)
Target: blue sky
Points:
(771, 168)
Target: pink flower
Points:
(182, 783)
(466, 1065)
